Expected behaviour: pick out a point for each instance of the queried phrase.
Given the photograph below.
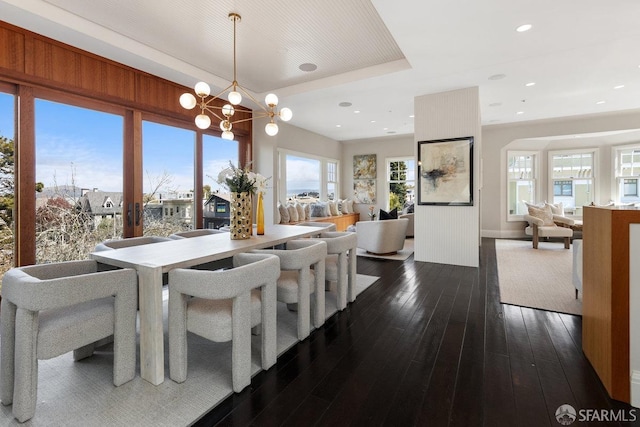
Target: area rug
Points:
(405, 253)
(82, 393)
(537, 278)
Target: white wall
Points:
(265, 154)
(496, 140)
(449, 234)
(383, 148)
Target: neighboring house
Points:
(100, 205)
(172, 206)
(217, 210)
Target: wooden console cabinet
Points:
(605, 303)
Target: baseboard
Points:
(503, 234)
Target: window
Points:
(627, 171)
(221, 207)
(78, 167)
(6, 181)
(573, 179)
(307, 178)
(630, 188)
(562, 188)
(522, 173)
(168, 154)
(401, 182)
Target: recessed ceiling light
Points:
(338, 126)
(520, 112)
(307, 66)
(530, 84)
(385, 128)
(497, 76)
(524, 27)
(618, 87)
(356, 112)
(345, 104)
(412, 116)
(600, 102)
(373, 121)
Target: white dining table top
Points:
(198, 250)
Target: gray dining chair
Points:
(340, 264)
(111, 244)
(223, 306)
(302, 275)
(50, 309)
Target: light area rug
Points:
(403, 254)
(82, 393)
(538, 278)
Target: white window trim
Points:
(615, 151)
(536, 179)
(282, 173)
(388, 160)
(596, 170)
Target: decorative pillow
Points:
(293, 213)
(410, 208)
(333, 208)
(543, 213)
(388, 215)
(556, 209)
(278, 219)
(347, 206)
(317, 209)
(339, 206)
(300, 210)
(284, 214)
(344, 206)
(307, 211)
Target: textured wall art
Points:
(446, 172)
(364, 166)
(364, 190)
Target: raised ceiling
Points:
(376, 55)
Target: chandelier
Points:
(226, 112)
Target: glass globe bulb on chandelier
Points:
(225, 113)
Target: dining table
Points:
(151, 261)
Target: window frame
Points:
(282, 173)
(389, 181)
(535, 180)
(617, 180)
(577, 210)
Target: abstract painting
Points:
(364, 166)
(446, 172)
(364, 190)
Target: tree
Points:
(397, 186)
(206, 191)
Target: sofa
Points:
(382, 237)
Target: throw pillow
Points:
(348, 203)
(556, 209)
(410, 208)
(278, 218)
(300, 210)
(317, 210)
(543, 213)
(307, 211)
(333, 208)
(393, 214)
(284, 214)
(344, 206)
(293, 213)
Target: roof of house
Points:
(96, 202)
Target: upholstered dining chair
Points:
(110, 244)
(340, 264)
(302, 269)
(322, 226)
(195, 233)
(223, 306)
(51, 309)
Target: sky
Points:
(82, 147)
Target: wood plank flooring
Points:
(428, 345)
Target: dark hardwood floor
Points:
(428, 345)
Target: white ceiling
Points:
(376, 54)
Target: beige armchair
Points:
(382, 237)
(539, 227)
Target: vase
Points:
(260, 214)
(240, 218)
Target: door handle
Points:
(129, 214)
(137, 214)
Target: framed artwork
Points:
(364, 166)
(445, 169)
(364, 190)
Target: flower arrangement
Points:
(372, 214)
(240, 180)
